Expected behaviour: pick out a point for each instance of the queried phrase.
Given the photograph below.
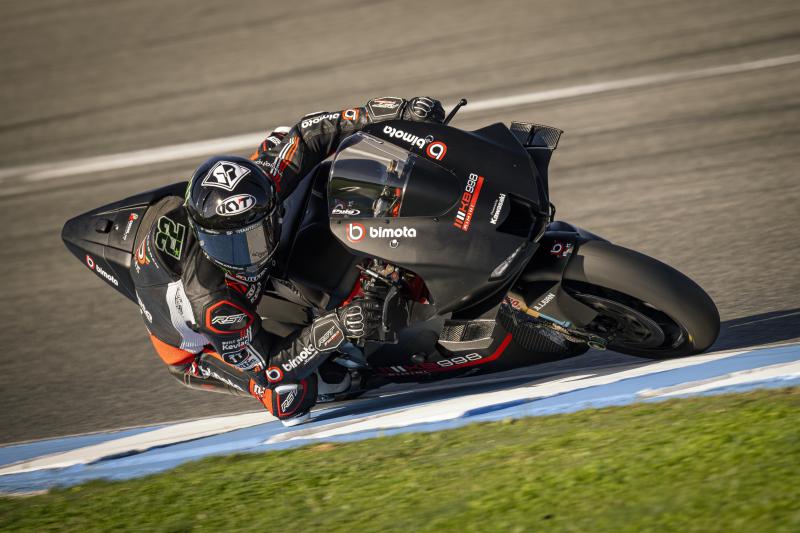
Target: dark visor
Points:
(251, 246)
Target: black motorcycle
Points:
(458, 229)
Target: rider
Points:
(203, 265)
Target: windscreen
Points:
(371, 178)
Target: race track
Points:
(695, 163)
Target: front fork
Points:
(539, 293)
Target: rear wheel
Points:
(645, 308)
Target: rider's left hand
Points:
(424, 109)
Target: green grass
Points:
(725, 463)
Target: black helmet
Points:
(233, 210)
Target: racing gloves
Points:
(423, 109)
(419, 109)
(361, 319)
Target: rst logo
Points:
(234, 205)
(229, 319)
(355, 232)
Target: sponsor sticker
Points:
(225, 175)
(305, 354)
(143, 309)
(497, 208)
(442, 365)
(469, 198)
(355, 232)
(436, 150)
(131, 219)
(234, 205)
(549, 297)
(327, 335)
(383, 108)
(317, 119)
(561, 249)
(227, 318)
(287, 403)
(90, 262)
(274, 374)
(347, 211)
(410, 138)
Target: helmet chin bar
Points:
(250, 273)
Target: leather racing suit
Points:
(203, 321)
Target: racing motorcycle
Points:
(458, 228)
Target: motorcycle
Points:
(458, 228)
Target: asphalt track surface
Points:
(700, 173)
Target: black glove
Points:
(361, 318)
(423, 109)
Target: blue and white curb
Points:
(132, 453)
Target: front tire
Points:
(645, 307)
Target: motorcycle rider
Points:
(201, 268)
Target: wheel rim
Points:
(624, 326)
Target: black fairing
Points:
(439, 246)
(103, 238)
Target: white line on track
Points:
(177, 152)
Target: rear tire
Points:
(658, 312)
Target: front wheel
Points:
(645, 308)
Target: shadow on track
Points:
(764, 328)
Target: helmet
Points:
(233, 210)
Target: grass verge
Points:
(724, 463)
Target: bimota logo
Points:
(436, 150)
(225, 175)
(349, 211)
(100, 272)
(468, 200)
(410, 138)
(355, 232)
(233, 205)
(229, 319)
(307, 353)
(319, 118)
(383, 233)
(274, 374)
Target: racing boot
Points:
(290, 403)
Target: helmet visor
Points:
(242, 249)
